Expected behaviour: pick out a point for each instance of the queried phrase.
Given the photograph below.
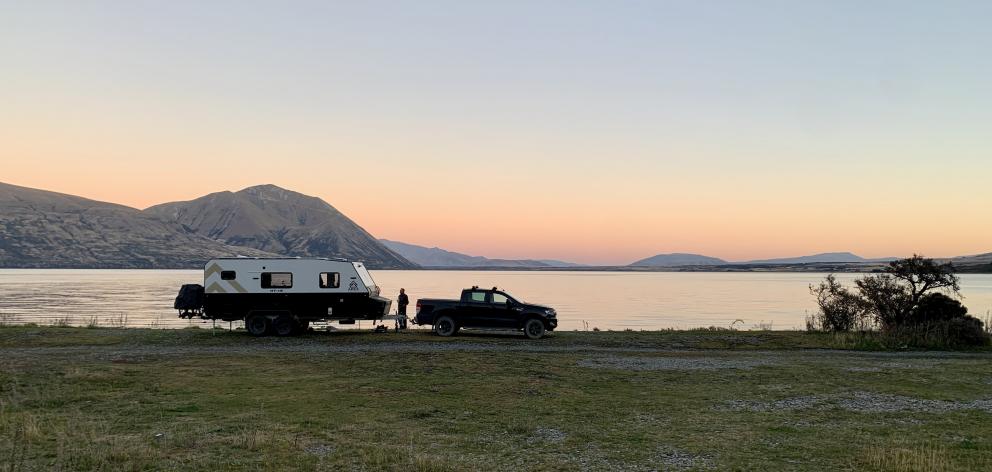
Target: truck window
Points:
(330, 280)
(478, 297)
(228, 275)
(499, 298)
(277, 279)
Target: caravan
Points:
(283, 295)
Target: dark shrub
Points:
(935, 307)
(913, 302)
(967, 330)
(885, 299)
(840, 310)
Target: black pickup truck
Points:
(481, 308)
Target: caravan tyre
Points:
(534, 328)
(284, 325)
(257, 325)
(445, 326)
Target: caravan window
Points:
(228, 275)
(330, 280)
(277, 279)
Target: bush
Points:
(937, 307)
(913, 303)
(840, 310)
(965, 331)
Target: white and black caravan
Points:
(282, 296)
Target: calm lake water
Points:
(584, 300)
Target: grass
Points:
(132, 399)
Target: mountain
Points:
(39, 228)
(273, 219)
(437, 257)
(975, 263)
(974, 259)
(835, 257)
(678, 259)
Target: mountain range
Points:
(680, 260)
(39, 228)
(434, 257)
(43, 229)
(279, 221)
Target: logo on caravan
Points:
(353, 286)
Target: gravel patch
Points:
(676, 459)
(868, 402)
(883, 366)
(550, 435)
(319, 450)
(672, 363)
(863, 402)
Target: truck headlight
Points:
(549, 312)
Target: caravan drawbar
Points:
(282, 296)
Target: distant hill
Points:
(678, 259)
(835, 257)
(437, 257)
(45, 229)
(974, 259)
(273, 219)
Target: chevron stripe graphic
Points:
(215, 288)
(213, 269)
(237, 287)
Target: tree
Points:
(895, 295)
(840, 310)
(914, 300)
(923, 275)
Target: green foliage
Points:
(840, 310)
(913, 302)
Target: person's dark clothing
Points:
(402, 302)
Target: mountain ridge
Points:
(436, 257)
(273, 219)
(45, 229)
(677, 259)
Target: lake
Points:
(584, 300)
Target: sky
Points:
(596, 132)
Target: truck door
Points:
(501, 313)
(475, 308)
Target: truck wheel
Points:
(534, 328)
(257, 325)
(445, 326)
(284, 325)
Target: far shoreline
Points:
(858, 268)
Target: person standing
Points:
(401, 302)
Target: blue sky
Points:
(643, 127)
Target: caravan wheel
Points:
(284, 325)
(257, 325)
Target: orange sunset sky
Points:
(571, 131)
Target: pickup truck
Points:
(481, 308)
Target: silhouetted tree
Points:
(915, 299)
(937, 307)
(895, 295)
(840, 310)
